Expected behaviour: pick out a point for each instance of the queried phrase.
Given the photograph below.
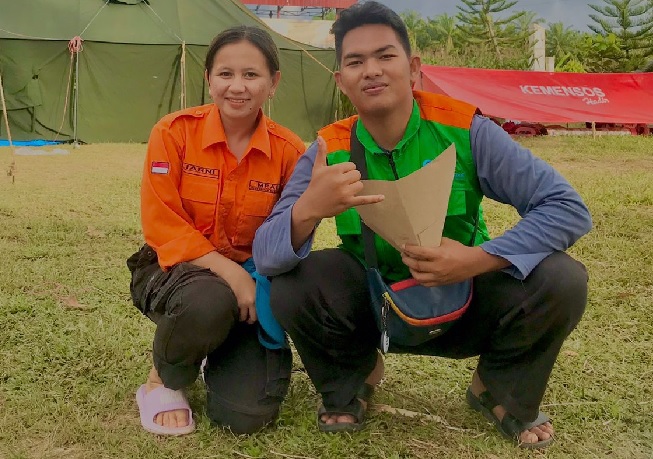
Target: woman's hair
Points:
(257, 37)
(368, 13)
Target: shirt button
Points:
(271, 126)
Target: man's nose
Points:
(372, 68)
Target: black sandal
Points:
(510, 427)
(355, 409)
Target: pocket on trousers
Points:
(279, 367)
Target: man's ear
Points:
(338, 78)
(415, 69)
(206, 77)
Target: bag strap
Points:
(357, 156)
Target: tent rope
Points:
(11, 172)
(182, 77)
(75, 45)
(172, 32)
(93, 18)
(29, 36)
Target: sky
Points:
(573, 13)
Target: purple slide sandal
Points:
(159, 400)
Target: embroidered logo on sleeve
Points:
(160, 167)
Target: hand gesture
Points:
(332, 189)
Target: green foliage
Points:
(602, 54)
(479, 24)
(475, 38)
(562, 41)
(631, 22)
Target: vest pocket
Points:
(199, 198)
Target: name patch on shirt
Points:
(255, 185)
(194, 169)
(160, 167)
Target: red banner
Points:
(547, 97)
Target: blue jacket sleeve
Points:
(553, 214)
(272, 250)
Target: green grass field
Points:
(73, 349)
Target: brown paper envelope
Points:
(415, 206)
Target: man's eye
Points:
(250, 75)
(351, 63)
(224, 74)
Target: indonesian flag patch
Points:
(160, 167)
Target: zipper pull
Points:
(385, 337)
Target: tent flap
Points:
(547, 97)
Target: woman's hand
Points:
(244, 288)
(240, 281)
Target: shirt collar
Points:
(411, 129)
(214, 132)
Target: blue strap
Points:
(270, 333)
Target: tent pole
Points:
(12, 167)
(182, 75)
(75, 143)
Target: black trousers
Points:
(516, 327)
(196, 316)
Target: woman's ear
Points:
(276, 78)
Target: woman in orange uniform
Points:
(212, 175)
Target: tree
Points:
(478, 23)
(562, 41)
(602, 53)
(445, 30)
(631, 22)
(415, 25)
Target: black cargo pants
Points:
(196, 316)
(516, 327)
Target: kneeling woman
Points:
(212, 175)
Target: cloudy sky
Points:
(574, 13)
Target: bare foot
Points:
(373, 379)
(175, 418)
(539, 433)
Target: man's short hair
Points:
(367, 13)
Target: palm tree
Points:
(562, 41)
(445, 30)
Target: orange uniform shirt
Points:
(196, 197)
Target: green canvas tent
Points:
(140, 59)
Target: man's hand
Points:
(332, 190)
(450, 263)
